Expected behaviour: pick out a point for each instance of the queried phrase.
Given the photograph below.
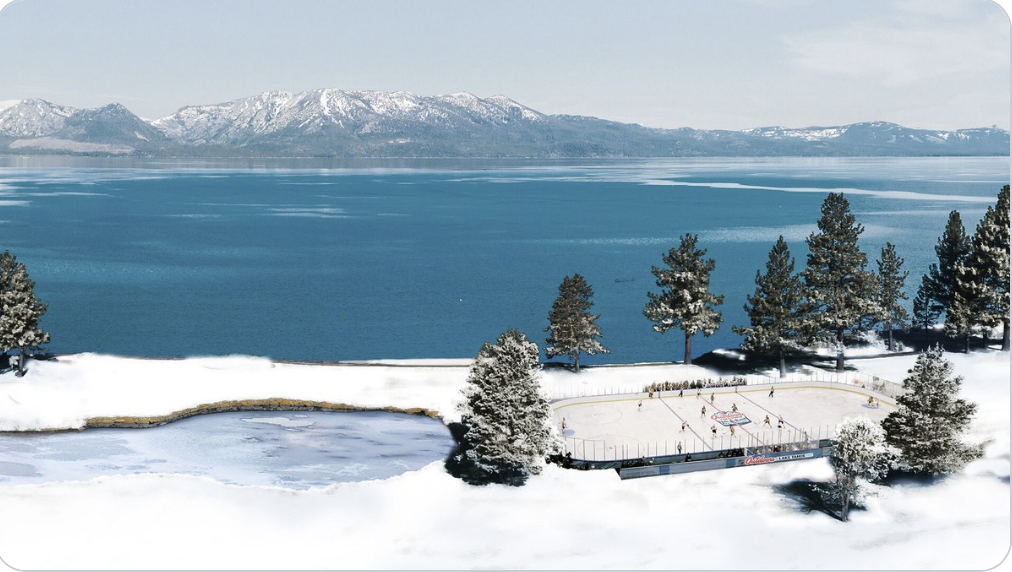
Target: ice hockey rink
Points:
(634, 425)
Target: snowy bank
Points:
(568, 519)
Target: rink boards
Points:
(725, 463)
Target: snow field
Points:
(427, 519)
(620, 429)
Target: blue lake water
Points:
(315, 260)
(296, 450)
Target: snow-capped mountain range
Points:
(337, 123)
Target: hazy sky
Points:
(663, 63)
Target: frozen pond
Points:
(297, 450)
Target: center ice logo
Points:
(729, 418)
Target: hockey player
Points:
(713, 429)
(771, 392)
(683, 426)
(679, 447)
(702, 412)
(766, 422)
(734, 407)
(640, 406)
(711, 399)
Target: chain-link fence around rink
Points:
(771, 441)
(851, 379)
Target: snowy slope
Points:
(561, 519)
(35, 124)
(242, 121)
(33, 118)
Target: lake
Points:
(316, 260)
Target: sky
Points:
(719, 64)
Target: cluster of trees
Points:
(20, 312)
(506, 420)
(970, 282)
(923, 436)
(836, 297)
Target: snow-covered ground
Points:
(63, 393)
(426, 519)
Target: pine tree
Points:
(20, 311)
(926, 313)
(952, 248)
(1002, 243)
(777, 309)
(839, 286)
(983, 277)
(928, 425)
(508, 419)
(572, 328)
(685, 301)
(890, 281)
(961, 319)
(859, 453)
(980, 289)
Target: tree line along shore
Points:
(833, 300)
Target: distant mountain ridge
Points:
(337, 123)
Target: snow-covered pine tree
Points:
(983, 278)
(20, 311)
(507, 418)
(859, 454)
(685, 301)
(889, 292)
(926, 313)
(572, 328)
(777, 309)
(927, 427)
(952, 248)
(839, 286)
(979, 297)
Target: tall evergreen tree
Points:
(685, 301)
(572, 328)
(507, 417)
(20, 311)
(889, 292)
(927, 427)
(952, 248)
(926, 313)
(984, 277)
(777, 309)
(962, 316)
(839, 285)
